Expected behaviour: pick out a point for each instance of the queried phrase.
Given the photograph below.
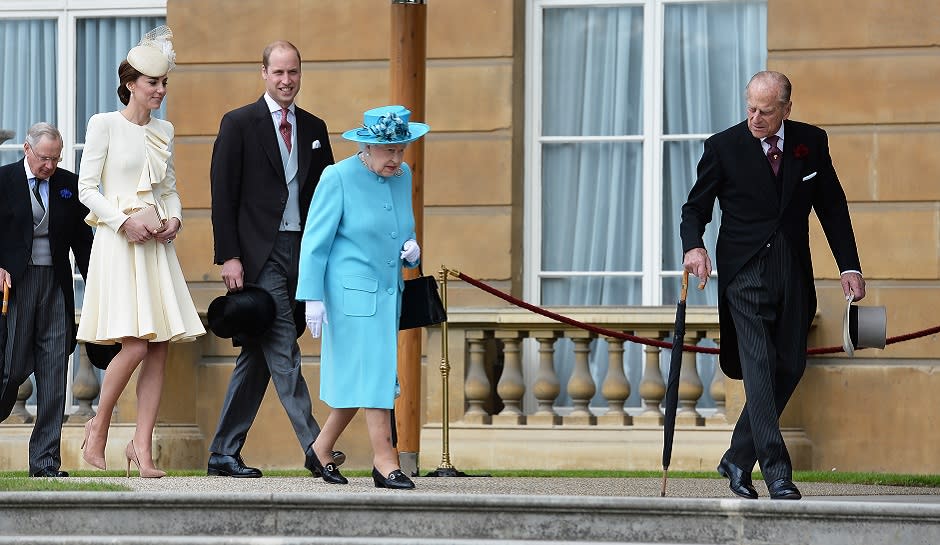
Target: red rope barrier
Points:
(653, 342)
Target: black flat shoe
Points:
(223, 465)
(339, 457)
(738, 480)
(330, 473)
(49, 472)
(396, 479)
(784, 489)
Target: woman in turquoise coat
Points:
(360, 232)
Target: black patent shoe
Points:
(49, 472)
(223, 465)
(396, 479)
(339, 457)
(783, 489)
(739, 481)
(330, 473)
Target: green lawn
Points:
(19, 481)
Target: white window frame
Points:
(652, 140)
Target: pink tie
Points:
(774, 155)
(284, 128)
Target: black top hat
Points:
(100, 355)
(245, 313)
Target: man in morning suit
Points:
(266, 162)
(767, 173)
(42, 220)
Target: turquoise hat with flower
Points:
(387, 125)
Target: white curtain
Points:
(27, 78)
(591, 192)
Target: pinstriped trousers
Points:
(768, 300)
(38, 343)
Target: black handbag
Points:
(421, 304)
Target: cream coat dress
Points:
(132, 290)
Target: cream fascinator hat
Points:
(863, 327)
(154, 56)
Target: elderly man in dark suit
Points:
(42, 220)
(767, 173)
(266, 162)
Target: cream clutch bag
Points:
(149, 216)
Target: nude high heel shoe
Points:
(131, 453)
(91, 459)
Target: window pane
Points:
(679, 164)
(27, 78)
(101, 46)
(710, 52)
(592, 291)
(592, 71)
(592, 200)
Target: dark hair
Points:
(280, 44)
(126, 74)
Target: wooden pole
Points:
(407, 57)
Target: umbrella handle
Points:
(6, 298)
(685, 286)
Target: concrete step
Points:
(421, 518)
(260, 540)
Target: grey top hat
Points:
(863, 327)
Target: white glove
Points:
(315, 314)
(410, 251)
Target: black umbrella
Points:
(7, 391)
(672, 385)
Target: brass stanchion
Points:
(445, 469)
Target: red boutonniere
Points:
(800, 151)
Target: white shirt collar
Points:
(29, 173)
(274, 106)
(779, 134)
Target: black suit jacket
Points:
(735, 170)
(67, 229)
(249, 192)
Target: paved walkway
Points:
(518, 486)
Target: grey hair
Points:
(37, 131)
(777, 79)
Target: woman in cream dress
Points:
(136, 293)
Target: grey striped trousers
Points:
(768, 300)
(38, 342)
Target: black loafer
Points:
(339, 457)
(783, 489)
(330, 472)
(49, 472)
(223, 465)
(396, 480)
(739, 481)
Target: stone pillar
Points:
(581, 385)
(19, 414)
(616, 387)
(690, 386)
(511, 385)
(476, 387)
(652, 386)
(546, 386)
(85, 389)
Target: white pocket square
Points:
(315, 145)
(809, 177)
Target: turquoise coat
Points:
(350, 258)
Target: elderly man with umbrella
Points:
(767, 173)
